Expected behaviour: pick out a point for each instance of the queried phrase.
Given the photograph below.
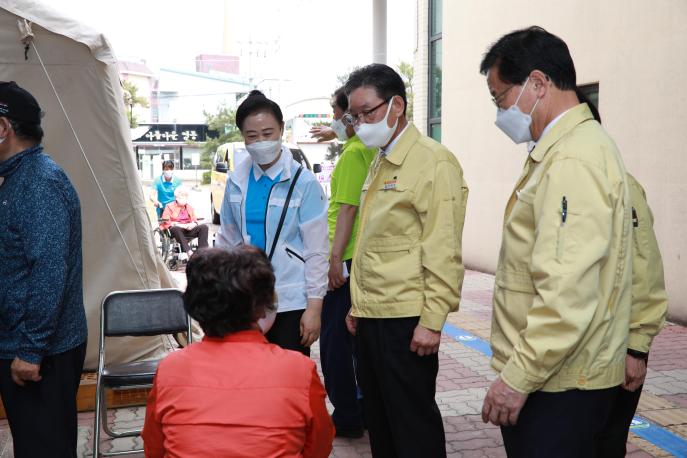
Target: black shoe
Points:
(350, 433)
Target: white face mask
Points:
(340, 129)
(264, 152)
(514, 122)
(168, 174)
(378, 134)
(182, 201)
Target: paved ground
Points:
(464, 376)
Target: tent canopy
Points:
(77, 85)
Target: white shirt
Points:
(531, 145)
(390, 147)
(272, 172)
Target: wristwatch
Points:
(638, 354)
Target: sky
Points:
(301, 44)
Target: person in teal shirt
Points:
(163, 187)
(336, 343)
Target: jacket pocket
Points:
(291, 253)
(392, 269)
(564, 243)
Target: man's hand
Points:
(23, 372)
(310, 322)
(425, 341)
(635, 372)
(336, 278)
(158, 204)
(502, 404)
(351, 323)
(323, 133)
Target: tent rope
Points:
(27, 36)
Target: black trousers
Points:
(286, 332)
(400, 411)
(613, 439)
(42, 415)
(561, 425)
(184, 235)
(336, 356)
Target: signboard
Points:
(180, 133)
(195, 158)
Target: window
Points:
(592, 93)
(435, 57)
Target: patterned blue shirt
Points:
(41, 295)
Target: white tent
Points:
(71, 70)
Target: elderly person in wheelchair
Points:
(180, 218)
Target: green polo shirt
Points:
(346, 183)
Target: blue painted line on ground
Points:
(467, 339)
(657, 435)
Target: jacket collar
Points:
(575, 116)
(400, 150)
(250, 335)
(10, 165)
(240, 174)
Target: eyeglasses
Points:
(497, 98)
(351, 120)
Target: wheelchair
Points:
(169, 248)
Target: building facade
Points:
(629, 55)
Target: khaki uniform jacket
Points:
(649, 299)
(408, 259)
(562, 294)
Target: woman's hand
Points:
(310, 322)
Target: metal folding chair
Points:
(133, 313)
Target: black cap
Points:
(18, 104)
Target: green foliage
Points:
(335, 149)
(342, 78)
(224, 123)
(206, 177)
(405, 69)
(132, 99)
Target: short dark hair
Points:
(228, 291)
(340, 99)
(257, 103)
(520, 52)
(167, 163)
(26, 130)
(386, 82)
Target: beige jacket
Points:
(408, 259)
(649, 299)
(562, 295)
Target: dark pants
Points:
(286, 332)
(336, 356)
(402, 417)
(614, 437)
(184, 235)
(42, 415)
(565, 424)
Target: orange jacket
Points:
(171, 214)
(237, 396)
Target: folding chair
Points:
(133, 313)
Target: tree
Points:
(335, 149)
(224, 123)
(406, 71)
(342, 78)
(131, 100)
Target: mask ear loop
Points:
(522, 92)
